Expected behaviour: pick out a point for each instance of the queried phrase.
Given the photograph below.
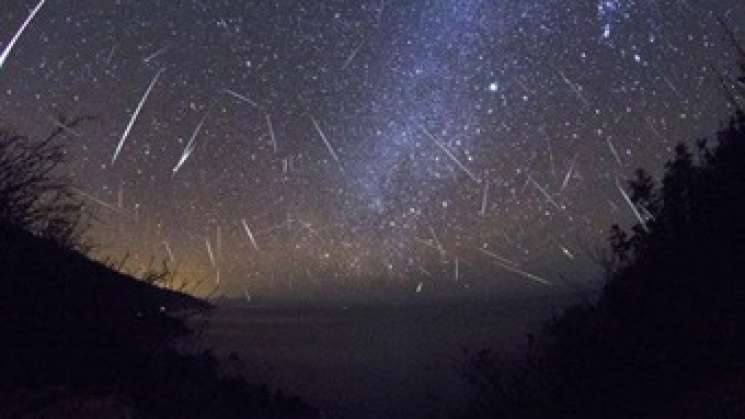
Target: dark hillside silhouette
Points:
(82, 340)
(666, 336)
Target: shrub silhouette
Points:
(667, 324)
(34, 195)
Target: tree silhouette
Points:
(667, 326)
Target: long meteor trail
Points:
(241, 97)
(509, 266)
(189, 147)
(633, 207)
(325, 140)
(134, 116)
(451, 155)
(270, 127)
(97, 200)
(20, 31)
(250, 234)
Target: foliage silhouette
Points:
(664, 337)
(34, 196)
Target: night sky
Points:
(328, 148)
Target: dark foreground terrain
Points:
(83, 341)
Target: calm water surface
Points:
(362, 362)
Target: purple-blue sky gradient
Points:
(332, 147)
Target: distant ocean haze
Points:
(381, 361)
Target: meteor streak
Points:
(11, 44)
(325, 140)
(190, 146)
(249, 234)
(133, 119)
(451, 155)
(241, 97)
(628, 200)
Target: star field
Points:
(335, 147)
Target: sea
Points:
(372, 361)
